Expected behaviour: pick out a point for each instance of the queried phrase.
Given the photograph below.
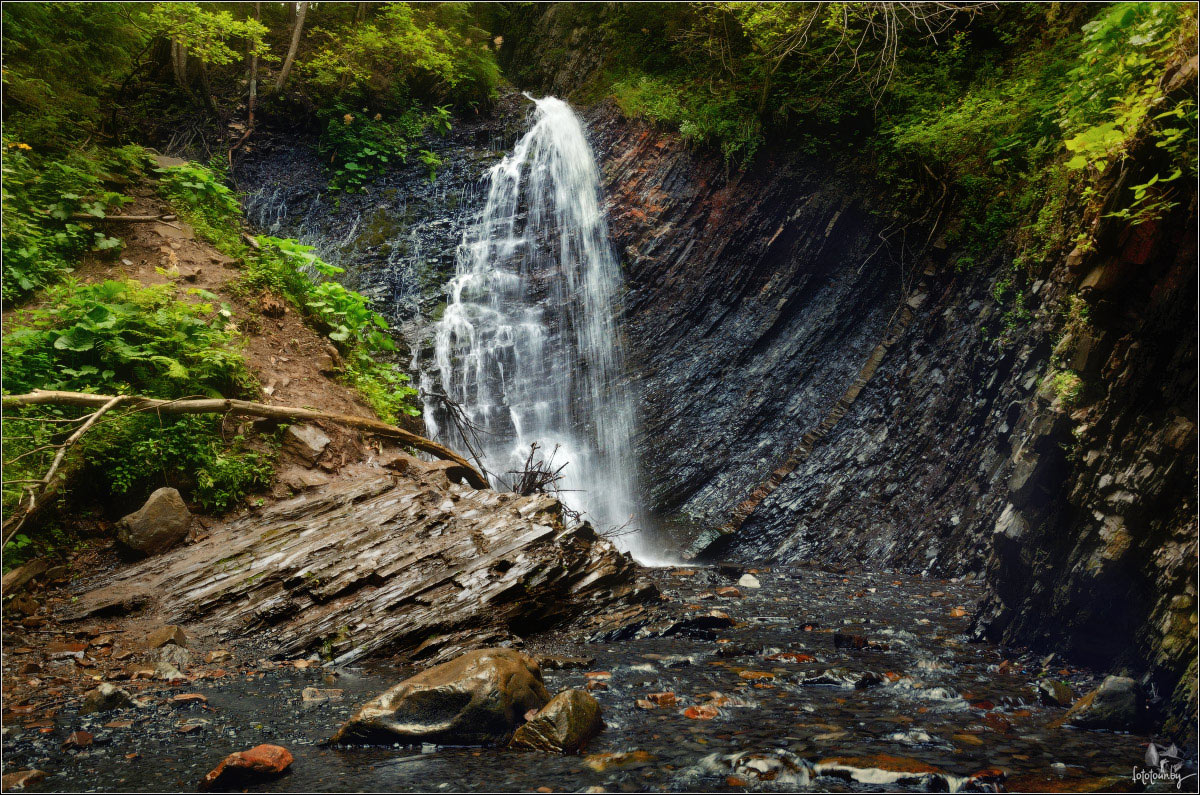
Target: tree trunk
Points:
(253, 76)
(179, 63)
(297, 29)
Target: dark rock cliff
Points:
(789, 393)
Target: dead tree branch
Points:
(104, 403)
(37, 489)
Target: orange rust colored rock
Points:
(892, 764)
(997, 722)
(662, 699)
(259, 761)
(791, 656)
(701, 712)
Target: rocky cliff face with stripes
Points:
(818, 383)
(797, 346)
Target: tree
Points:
(297, 29)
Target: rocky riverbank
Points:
(720, 686)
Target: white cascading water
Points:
(528, 344)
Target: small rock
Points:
(167, 672)
(1054, 693)
(261, 761)
(173, 655)
(217, 656)
(729, 591)
(662, 699)
(562, 726)
(554, 662)
(190, 698)
(78, 739)
(749, 581)
(161, 523)
(104, 698)
(21, 779)
(475, 699)
(317, 695)
(844, 640)
(1116, 705)
(167, 634)
(306, 441)
(701, 712)
(841, 677)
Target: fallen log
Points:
(126, 218)
(103, 403)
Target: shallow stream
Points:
(942, 704)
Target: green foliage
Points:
(288, 267)
(205, 202)
(206, 33)
(60, 60)
(1115, 96)
(122, 338)
(186, 451)
(407, 51)
(360, 147)
(42, 241)
(1066, 386)
(702, 116)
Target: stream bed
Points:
(895, 692)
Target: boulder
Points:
(1053, 693)
(170, 654)
(104, 698)
(476, 699)
(1116, 705)
(21, 779)
(166, 634)
(375, 564)
(563, 726)
(158, 525)
(243, 767)
(305, 441)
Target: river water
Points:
(943, 706)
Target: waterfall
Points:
(528, 344)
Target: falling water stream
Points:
(528, 345)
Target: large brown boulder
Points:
(476, 699)
(158, 525)
(563, 726)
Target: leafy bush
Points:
(122, 338)
(42, 194)
(205, 202)
(186, 451)
(360, 147)
(406, 52)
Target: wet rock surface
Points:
(563, 726)
(378, 564)
(475, 699)
(161, 523)
(933, 720)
